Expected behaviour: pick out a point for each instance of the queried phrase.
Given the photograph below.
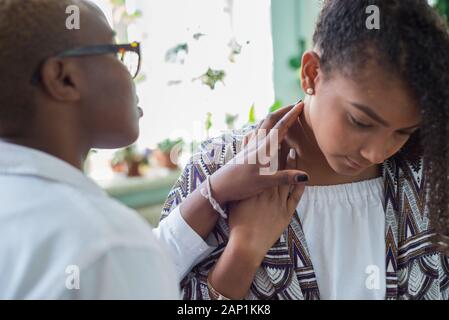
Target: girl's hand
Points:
(258, 222)
(243, 178)
(255, 225)
(255, 168)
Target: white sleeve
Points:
(184, 245)
(128, 273)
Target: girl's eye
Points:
(407, 134)
(358, 123)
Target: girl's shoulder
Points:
(218, 150)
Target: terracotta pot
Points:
(119, 167)
(163, 158)
(133, 169)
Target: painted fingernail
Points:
(302, 178)
(292, 154)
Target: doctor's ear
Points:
(59, 79)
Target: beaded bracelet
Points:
(207, 193)
(215, 295)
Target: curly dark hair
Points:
(412, 44)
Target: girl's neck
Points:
(311, 160)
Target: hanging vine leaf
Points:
(173, 55)
(174, 82)
(211, 77)
(198, 35)
(236, 49)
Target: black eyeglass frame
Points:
(95, 50)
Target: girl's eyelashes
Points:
(358, 123)
(362, 125)
(405, 133)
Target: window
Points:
(174, 99)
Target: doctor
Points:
(61, 236)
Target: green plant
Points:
(275, 106)
(252, 115)
(208, 123)
(211, 77)
(167, 145)
(172, 54)
(442, 7)
(236, 49)
(126, 155)
(130, 160)
(230, 120)
(295, 61)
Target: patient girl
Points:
(373, 138)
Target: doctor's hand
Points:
(255, 168)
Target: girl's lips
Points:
(353, 164)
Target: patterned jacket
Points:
(414, 268)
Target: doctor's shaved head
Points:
(30, 32)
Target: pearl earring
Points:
(309, 91)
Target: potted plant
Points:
(164, 151)
(128, 160)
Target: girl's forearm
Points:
(235, 270)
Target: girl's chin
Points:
(341, 166)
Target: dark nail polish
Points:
(302, 178)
